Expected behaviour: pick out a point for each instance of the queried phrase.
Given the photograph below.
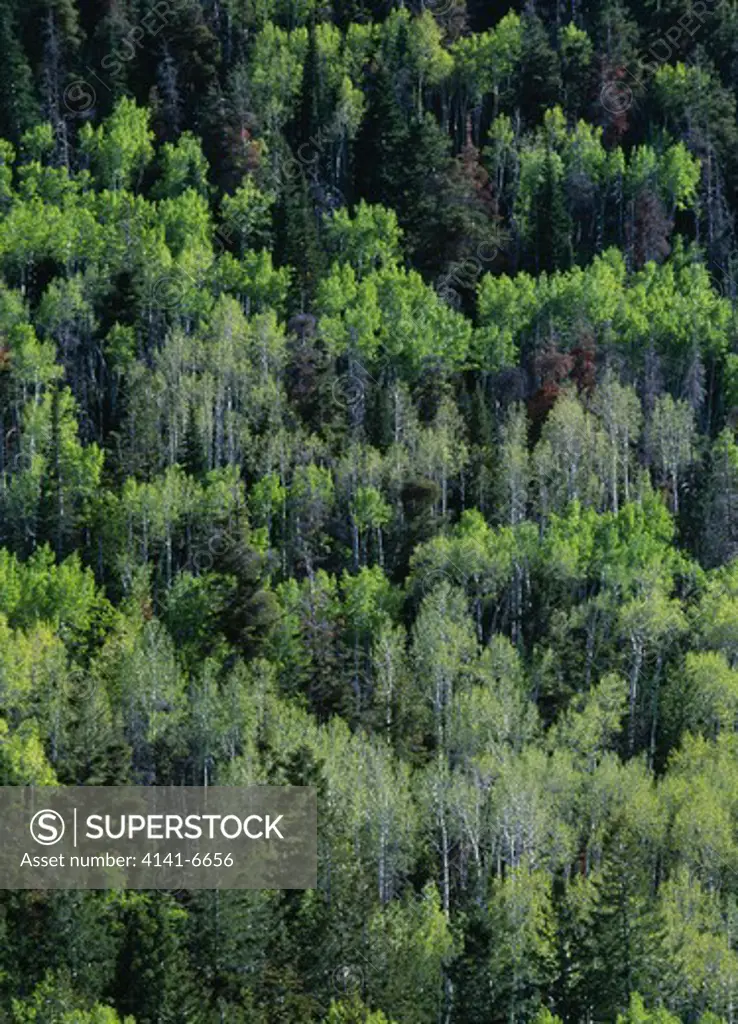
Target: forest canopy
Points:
(368, 408)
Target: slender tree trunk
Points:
(635, 675)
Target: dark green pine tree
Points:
(623, 935)
(470, 971)
(470, 225)
(301, 948)
(53, 38)
(347, 11)
(109, 52)
(538, 74)
(251, 613)
(82, 941)
(227, 935)
(381, 146)
(408, 167)
(484, 14)
(94, 751)
(25, 934)
(18, 104)
(309, 118)
(481, 417)
(195, 459)
(576, 949)
(297, 241)
(430, 194)
(552, 223)
(66, 932)
(52, 526)
(153, 978)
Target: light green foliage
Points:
(276, 72)
(430, 61)
(619, 412)
(521, 916)
(390, 312)
(138, 669)
(566, 461)
(443, 648)
(667, 306)
(718, 541)
(367, 423)
(352, 1011)
(379, 814)
(504, 307)
(474, 555)
(494, 717)
(247, 215)
(716, 617)
(54, 1002)
(484, 60)
(671, 439)
(22, 758)
(593, 722)
(7, 158)
(370, 510)
(638, 1014)
(514, 477)
(701, 802)
(183, 166)
(370, 240)
(712, 688)
(63, 595)
(410, 943)
(185, 219)
(120, 148)
(698, 944)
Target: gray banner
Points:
(139, 837)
